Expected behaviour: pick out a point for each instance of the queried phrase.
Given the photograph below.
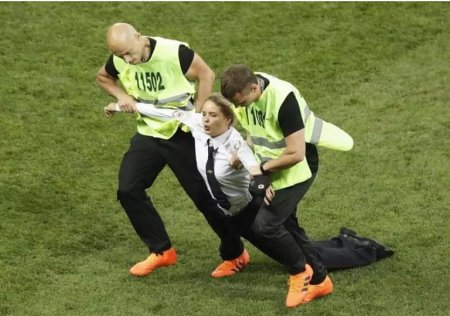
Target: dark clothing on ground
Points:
(336, 253)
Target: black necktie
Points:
(212, 180)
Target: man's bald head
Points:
(125, 42)
(120, 36)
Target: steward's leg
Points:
(269, 229)
(140, 166)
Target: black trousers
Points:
(275, 230)
(335, 253)
(340, 253)
(141, 164)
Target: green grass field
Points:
(381, 71)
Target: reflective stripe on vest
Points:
(261, 141)
(317, 127)
(317, 131)
(164, 103)
(307, 113)
(315, 137)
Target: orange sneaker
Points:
(319, 290)
(154, 261)
(231, 267)
(298, 287)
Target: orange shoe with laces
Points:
(298, 287)
(231, 267)
(154, 261)
(319, 290)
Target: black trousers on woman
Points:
(141, 164)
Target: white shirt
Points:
(233, 182)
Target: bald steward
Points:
(124, 41)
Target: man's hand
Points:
(127, 104)
(270, 194)
(110, 109)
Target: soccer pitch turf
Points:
(381, 71)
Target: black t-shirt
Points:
(185, 55)
(290, 120)
(289, 115)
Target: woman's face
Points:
(214, 121)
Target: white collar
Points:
(221, 139)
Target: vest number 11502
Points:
(151, 81)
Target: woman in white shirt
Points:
(214, 124)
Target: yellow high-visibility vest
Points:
(260, 120)
(159, 81)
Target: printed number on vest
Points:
(150, 81)
(258, 117)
